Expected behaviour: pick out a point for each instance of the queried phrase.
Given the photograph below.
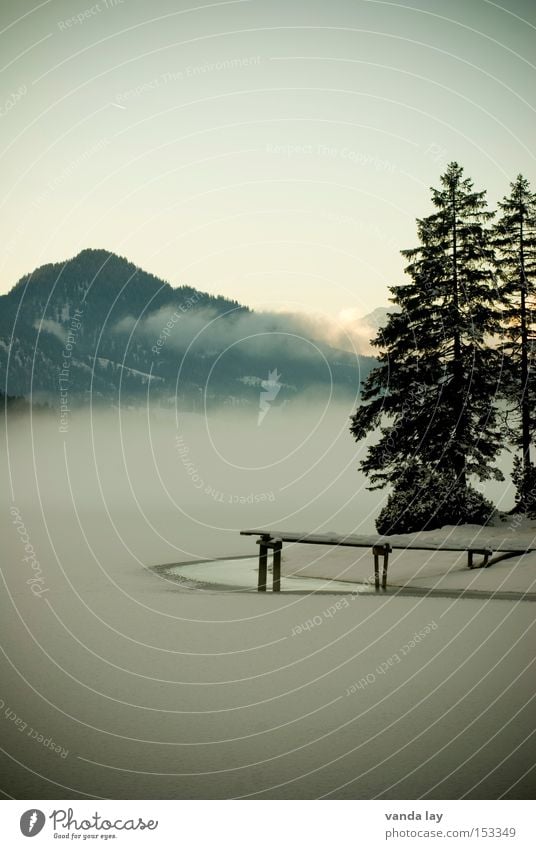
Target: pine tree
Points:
(515, 244)
(431, 397)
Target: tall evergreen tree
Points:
(431, 397)
(515, 243)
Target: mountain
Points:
(98, 327)
(378, 317)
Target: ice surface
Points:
(157, 690)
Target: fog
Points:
(151, 690)
(182, 485)
(205, 329)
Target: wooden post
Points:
(376, 553)
(485, 552)
(386, 551)
(263, 562)
(277, 567)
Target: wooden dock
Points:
(381, 547)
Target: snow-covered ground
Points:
(434, 570)
(154, 689)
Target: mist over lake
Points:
(144, 688)
(182, 485)
(172, 485)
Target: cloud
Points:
(49, 326)
(205, 330)
(358, 330)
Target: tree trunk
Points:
(525, 403)
(457, 367)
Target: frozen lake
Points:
(118, 682)
(241, 575)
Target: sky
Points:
(274, 151)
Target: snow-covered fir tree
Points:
(432, 395)
(515, 245)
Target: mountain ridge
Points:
(108, 330)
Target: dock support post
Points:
(386, 552)
(265, 543)
(378, 550)
(263, 562)
(376, 554)
(277, 567)
(485, 552)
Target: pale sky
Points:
(273, 151)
